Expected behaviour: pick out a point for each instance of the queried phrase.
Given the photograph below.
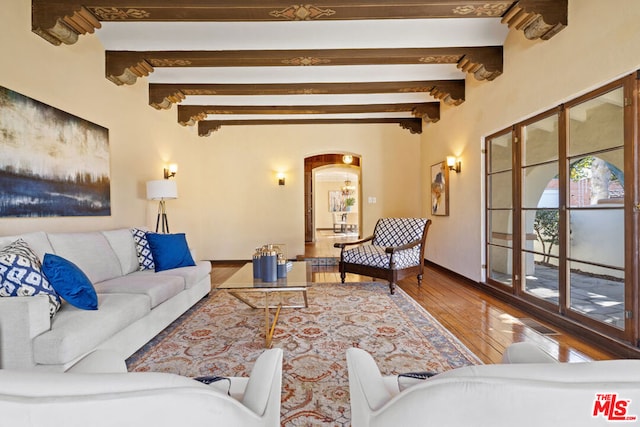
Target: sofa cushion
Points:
(122, 243)
(158, 288)
(21, 275)
(191, 275)
(90, 251)
(75, 332)
(143, 251)
(170, 251)
(37, 241)
(70, 282)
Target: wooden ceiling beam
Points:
(51, 18)
(537, 18)
(162, 96)
(207, 127)
(124, 67)
(62, 21)
(189, 115)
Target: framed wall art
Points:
(440, 189)
(336, 202)
(53, 163)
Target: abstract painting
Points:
(336, 202)
(440, 189)
(53, 163)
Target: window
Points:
(558, 221)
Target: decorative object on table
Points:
(270, 263)
(440, 189)
(53, 163)
(162, 190)
(257, 255)
(349, 202)
(282, 267)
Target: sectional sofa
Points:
(133, 305)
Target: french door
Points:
(562, 214)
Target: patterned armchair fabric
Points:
(395, 250)
(390, 232)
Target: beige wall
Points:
(229, 201)
(600, 44)
(245, 206)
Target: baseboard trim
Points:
(605, 343)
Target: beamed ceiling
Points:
(257, 62)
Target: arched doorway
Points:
(313, 162)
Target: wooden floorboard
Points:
(485, 324)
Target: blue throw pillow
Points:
(70, 282)
(170, 251)
(21, 275)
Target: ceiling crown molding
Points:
(163, 96)
(207, 127)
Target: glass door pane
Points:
(540, 210)
(595, 256)
(500, 209)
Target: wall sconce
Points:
(454, 164)
(280, 177)
(171, 171)
(347, 159)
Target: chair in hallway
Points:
(393, 252)
(339, 222)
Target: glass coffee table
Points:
(242, 284)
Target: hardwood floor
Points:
(483, 323)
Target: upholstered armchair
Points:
(393, 252)
(78, 398)
(523, 394)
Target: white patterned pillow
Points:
(145, 257)
(21, 275)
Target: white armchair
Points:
(522, 394)
(35, 398)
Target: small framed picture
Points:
(440, 189)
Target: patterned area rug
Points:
(222, 336)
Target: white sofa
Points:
(522, 394)
(133, 306)
(49, 399)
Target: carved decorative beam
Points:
(537, 19)
(162, 96)
(188, 115)
(124, 67)
(62, 21)
(206, 127)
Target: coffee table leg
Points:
(269, 327)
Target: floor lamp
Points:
(162, 190)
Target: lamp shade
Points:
(162, 189)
